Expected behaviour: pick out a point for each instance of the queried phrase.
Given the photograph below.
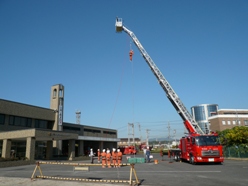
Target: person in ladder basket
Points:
(103, 154)
(119, 157)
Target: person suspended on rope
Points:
(131, 55)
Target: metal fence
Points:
(235, 151)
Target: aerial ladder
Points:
(189, 122)
(196, 146)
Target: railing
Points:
(235, 151)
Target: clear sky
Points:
(200, 46)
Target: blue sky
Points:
(199, 46)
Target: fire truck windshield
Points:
(207, 140)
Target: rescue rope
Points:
(131, 51)
(119, 90)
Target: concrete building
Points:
(39, 133)
(228, 118)
(126, 142)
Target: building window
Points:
(2, 118)
(234, 122)
(239, 122)
(20, 121)
(229, 122)
(246, 122)
(61, 93)
(71, 128)
(43, 124)
(92, 130)
(54, 93)
(108, 132)
(223, 122)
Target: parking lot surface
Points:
(166, 172)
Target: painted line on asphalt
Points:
(119, 171)
(154, 171)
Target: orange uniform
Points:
(131, 55)
(98, 155)
(108, 157)
(114, 157)
(161, 153)
(103, 154)
(119, 157)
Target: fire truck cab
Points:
(201, 148)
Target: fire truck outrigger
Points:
(196, 146)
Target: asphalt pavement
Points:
(166, 172)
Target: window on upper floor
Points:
(44, 124)
(228, 122)
(20, 121)
(246, 122)
(223, 122)
(2, 119)
(54, 93)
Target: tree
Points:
(234, 137)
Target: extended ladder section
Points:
(189, 122)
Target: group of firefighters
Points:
(110, 158)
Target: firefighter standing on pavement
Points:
(108, 157)
(119, 157)
(161, 153)
(114, 156)
(98, 155)
(91, 156)
(103, 154)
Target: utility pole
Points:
(130, 132)
(175, 136)
(169, 144)
(168, 134)
(140, 133)
(147, 137)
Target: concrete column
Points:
(101, 146)
(6, 148)
(30, 148)
(81, 148)
(71, 149)
(49, 150)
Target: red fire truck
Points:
(196, 146)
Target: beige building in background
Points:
(39, 133)
(228, 118)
